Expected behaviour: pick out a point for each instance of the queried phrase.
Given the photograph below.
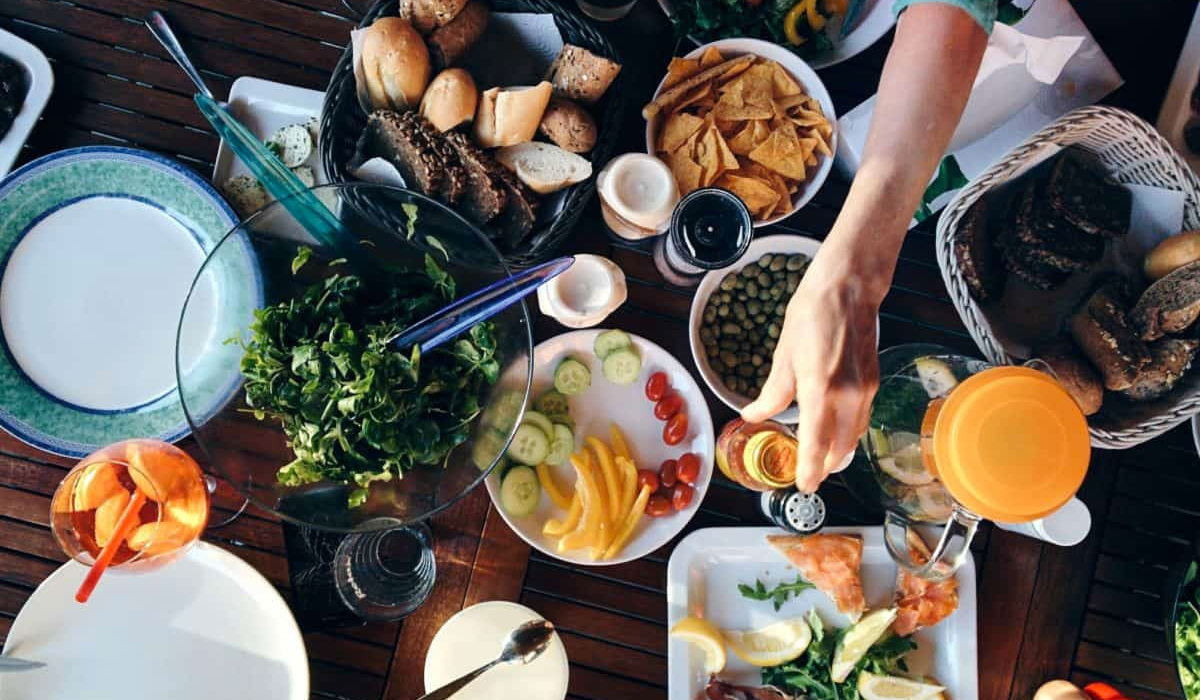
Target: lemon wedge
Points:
(873, 687)
(777, 643)
(705, 637)
(857, 640)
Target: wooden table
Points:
(1089, 612)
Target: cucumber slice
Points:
(622, 366)
(488, 444)
(503, 410)
(519, 491)
(561, 446)
(562, 419)
(608, 341)
(572, 377)
(552, 403)
(529, 446)
(540, 422)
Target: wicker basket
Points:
(1133, 153)
(342, 120)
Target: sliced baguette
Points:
(544, 167)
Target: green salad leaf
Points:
(1187, 636)
(709, 20)
(356, 410)
(777, 595)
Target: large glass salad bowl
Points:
(297, 396)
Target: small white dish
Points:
(264, 106)
(593, 411)
(707, 565)
(805, 76)
(585, 294)
(475, 636)
(786, 244)
(206, 626)
(39, 84)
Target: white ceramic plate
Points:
(264, 106)
(803, 74)
(206, 626)
(786, 244)
(1176, 109)
(475, 636)
(875, 20)
(702, 578)
(627, 406)
(39, 83)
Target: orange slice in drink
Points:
(157, 471)
(96, 484)
(107, 516)
(159, 538)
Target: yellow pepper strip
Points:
(631, 521)
(589, 502)
(619, 444)
(628, 485)
(558, 528)
(604, 456)
(816, 20)
(792, 18)
(546, 479)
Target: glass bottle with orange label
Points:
(955, 440)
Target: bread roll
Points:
(1074, 374)
(1171, 254)
(569, 126)
(450, 99)
(450, 43)
(395, 64)
(508, 116)
(427, 15)
(544, 167)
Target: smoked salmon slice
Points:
(829, 562)
(921, 602)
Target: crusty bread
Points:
(544, 167)
(451, 42)
(427, 15)
(1169, 360)
(1169, 305)
(1102, 333)
(579, 74)
(450, 99)
(977, 255)
(569, 126)
(508, 116)
(1171, 254)
(395, 64)
(1074, 373)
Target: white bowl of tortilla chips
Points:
(748, 116)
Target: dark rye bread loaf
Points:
(978, 258)
(1169, 360)
(454, 175)
(1100, 330)
(410, 143)
(1053, 239)
(1169, 305)
(486, 195)
(519, 215)
(1078, 191)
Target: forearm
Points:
(924, 87)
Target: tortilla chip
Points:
(710, 58)
(725, 155)
(733, 72)
(731, 107)
(752, 134)
(760, 198)
(688, 172)
(784, 83)
(680, 69)
(676, 130)
(782, 152)
(708, 154)
(694, 97)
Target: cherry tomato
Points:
(658, 506)
(675, 429)
(666, 473)
(688, 469)
(681, 496)
(646, 476)
(656, 386)
(668, 406)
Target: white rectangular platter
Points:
(39, 81)
(264, 106)
(707, 566)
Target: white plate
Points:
(39, 83)
(626, 405)
(785, 244)
(702, 578)
(803, 74)
(475, 636)
(1176, 109)
(264, 106)
(874, 20)
(206, 626)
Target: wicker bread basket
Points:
(1132, 152)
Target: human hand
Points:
(826, 361)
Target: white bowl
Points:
(785, 244)
(803, 74)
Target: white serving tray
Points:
(707, 566)
(1176, 109)
(263, 106)
(40, 82)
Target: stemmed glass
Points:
(385, 567)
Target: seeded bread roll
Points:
(451, 42)
(1169, 360)
(1171, 254)
(1100, 330)
(569, 126)
(1169, 305)
(1074, 373)
(581, 75)
(427, 15)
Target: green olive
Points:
(756, 360)
(765, 261)
(745, 371)
(778, 263)
(754, 308)
(730, 328)
(797, 262)
(722, 311)
(751, 289)
(773, 330)
(760, 319)
(706, 335)
(764, 280)
(728, 283)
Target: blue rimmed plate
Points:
(99, 246)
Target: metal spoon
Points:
(524, 644)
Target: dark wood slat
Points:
(592, 685)
(368, 658)
(1123, 667)
(1007, 607)
(23, 570)
(571, 585)
(500, 563)
(30, 539)
(343, 682)
(1144, 641)
(1126, 605)
(629, 663)
(276, 15)
(600, 624)
(1082, 678)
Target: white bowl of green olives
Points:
(737, 316)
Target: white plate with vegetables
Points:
(705, 576)
(566, 489)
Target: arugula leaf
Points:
(410, 213)
(302, 257)
(777, 595)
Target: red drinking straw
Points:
(124, 525)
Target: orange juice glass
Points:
(91, 498)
